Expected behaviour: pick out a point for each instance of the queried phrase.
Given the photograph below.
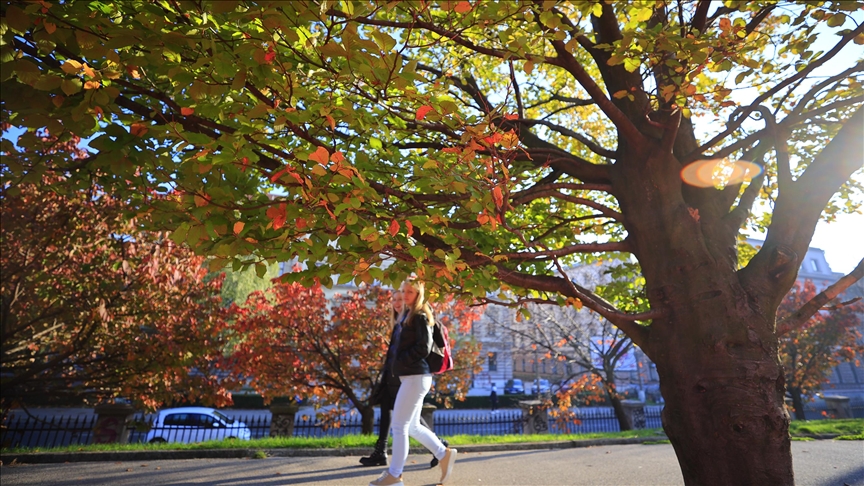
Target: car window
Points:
(176, 419)
(205, 420)
(223, 418)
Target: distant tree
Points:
(243, 281)
(289, 343)
(810, 352)
(582, 339)
(92, 308)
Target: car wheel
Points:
(157, 440)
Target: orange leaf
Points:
(321, 155)
(186, 111)
(463, 7)
(499, 198)
(91, 85)
(50, 28)
(423, 110)
(238, 227)
(337, 157)
(133, 71)
(511, 116)
(394, 227)
(409, 226)
(200, 201)
(331, 121)
(138, 129)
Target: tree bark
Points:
(797, 402)
(367, 420)
(715, 348)
(620, 413)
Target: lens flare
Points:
(719, 173)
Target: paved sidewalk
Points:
(829, 462)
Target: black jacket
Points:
(415, 344)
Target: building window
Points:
(544, 366)
(493, 361)
(523, 364)
(814, 266)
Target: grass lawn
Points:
(850, 429)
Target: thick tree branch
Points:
(802, 315)
(590, 144)
(622, 246)
(569, 63)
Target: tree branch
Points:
(802, 315)
(592, 146)
(744, 112)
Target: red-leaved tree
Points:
(291, 342)
(810, 352)
(92, 308)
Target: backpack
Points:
(441, 357)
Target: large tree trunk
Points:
(715, 349)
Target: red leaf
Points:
(186, 111)
(410, 227)
(511, 116)
(463, 7)
(422, 112)
(270, 56)
(278, 214)
(320, 155)
(394, 227)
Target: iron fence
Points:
(35, 432)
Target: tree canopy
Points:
(483, 146)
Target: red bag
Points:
(441, 357)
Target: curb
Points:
(116, 456)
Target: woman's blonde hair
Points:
(420, 304)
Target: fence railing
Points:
(35, 432)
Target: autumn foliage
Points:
(291, 342)
(810, 352)
(93, 308)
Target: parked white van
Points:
(195, 424)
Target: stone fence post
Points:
(635, 411)
(428, 414)
(535, 419)
(282, 422)
(112, 423)
(838, 406)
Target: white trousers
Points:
(406, 422)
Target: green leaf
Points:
(837, 20)
(71, 86)
(17, 20)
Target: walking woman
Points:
(413, 343)
(387, 389)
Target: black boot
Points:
(435, 459)
(378, 458)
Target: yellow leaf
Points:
(71, 67)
